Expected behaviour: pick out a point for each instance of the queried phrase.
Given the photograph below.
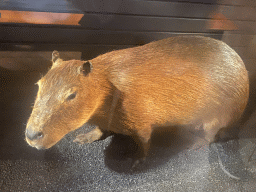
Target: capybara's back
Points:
(195, 81)
(183, 80)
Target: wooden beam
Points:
(31, 17)
(220, 22)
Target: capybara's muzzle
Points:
(33, 135)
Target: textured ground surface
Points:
(179, 160)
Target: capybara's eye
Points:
(71, 96)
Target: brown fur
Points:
(176, 81)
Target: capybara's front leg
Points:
(90, 137)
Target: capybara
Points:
(184, 80)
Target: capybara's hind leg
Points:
(143, 141)
(90, 137)
(211, 129)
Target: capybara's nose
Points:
(33, 135)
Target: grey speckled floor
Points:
(179, 160)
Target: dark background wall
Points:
(179, 161)
(113, 24)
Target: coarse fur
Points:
(185, 80)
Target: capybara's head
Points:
(67, 97)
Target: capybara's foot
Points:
(90, 137)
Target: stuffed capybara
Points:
(184, 80)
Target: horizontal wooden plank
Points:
(16, 37)
(135, 7)
(82, 36)
(31, 17)
(57, 6)
(164, 24)
(147, 8)
(169, 9)
(152, 24)
(140, 23)
(219, 2)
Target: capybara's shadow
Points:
(166, 142)
(119, 151)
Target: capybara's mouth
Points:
(36, 144)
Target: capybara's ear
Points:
(86, 68)
(55, 58)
